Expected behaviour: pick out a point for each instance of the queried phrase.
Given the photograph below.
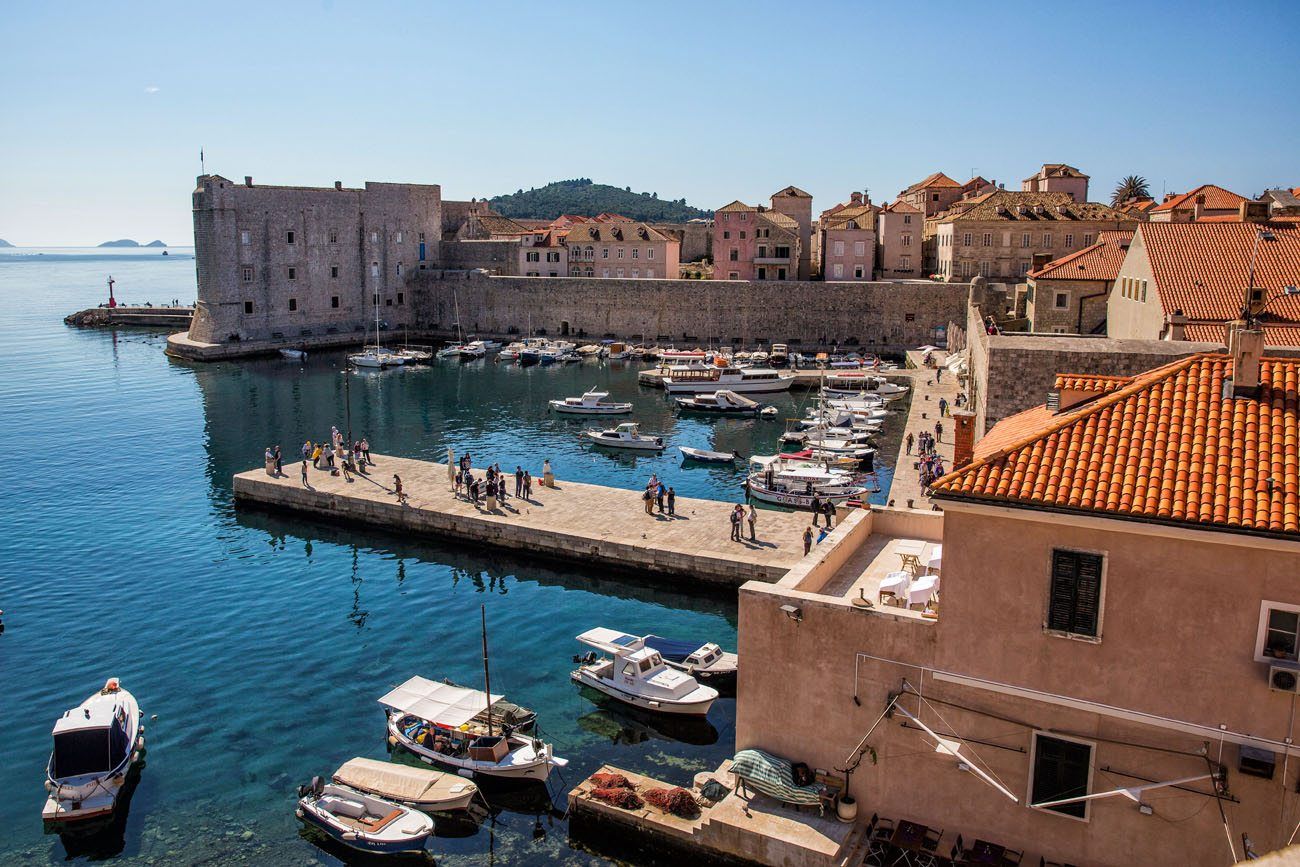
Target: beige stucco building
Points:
(846, 240)
(619, 249)
(1069, 295)
(899, 256)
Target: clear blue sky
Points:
(106, 104)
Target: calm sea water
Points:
(261, 642)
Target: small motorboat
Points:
(362, 821)
(416, 354)
(780, 355)
(708, 456)
(96, 745)
(473, 350)
(637, 675)
(296, 354)
(720, 402)
(705, 661)
(592, 402)
(626, 436)
(588, 350)
(427, 790)
(616, 352)
(768, 412)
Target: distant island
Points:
(127, 242)
(581, 196)
(4, 243)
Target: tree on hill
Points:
(581, 196)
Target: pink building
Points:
(621, 249)
(898, 242)
(1057, 178)
(543, 254)
(847, 240)
(751, 242)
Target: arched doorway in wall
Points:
(564, 328)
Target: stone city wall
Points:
(882, 317)
(499, 257)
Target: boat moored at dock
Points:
(592, 402)
(707, 456)
(720, 402)
(96, 745)
(626, 436)
(363, 821)
(703, 661)
(637, 675)
(424, 789)
(740, 380)
(774, 479)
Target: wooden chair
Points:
(879, 831)
(1012, 857)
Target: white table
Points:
(895, 583)
(910, 550)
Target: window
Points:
(293, 304)
(334, 236)
(532, 256)
(334, 272)
(1074, 600)
(742, 219)
(629, 670)
(907, 239)
(734, 255)
(859, 248)
(1061, 769)
(1069, 240)
(399, 237)
(1024, 239)
(620, 252)
(1087, 239)
(1024, 268)
(839, 248)
(650, 253)
(636, 272)
(907, 219)
(988, 239)
(636, 252)
(726, 236)
(726, 218)
(1279, 632)
(246, 273)
(649, 272)
(839, 270)
(1047, 240)
(857, 272)
(733, 275)
(742, 234)
(288, 237)
(604, 252)
(966, 239)
(604, 272)
(248, 306)
(334, 302)
(401, 298)
(374, 237)
(1144, 291)
(619, 272)
(399, 269)
(905, 262)
(293, 273)
(986, 269)
(762, 252)
(934, 197)
(762, 273)
(1061, 301)
(244, 237)
(374, 269)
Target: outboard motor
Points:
(317, 786)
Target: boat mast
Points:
(460, 332)
(487, 678)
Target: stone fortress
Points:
(290, 266)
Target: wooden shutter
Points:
(1075, 602)
(1087, 597)
(1061, 770)
(1060, 609)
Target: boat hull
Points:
(537, 769)
(756, 386)
(87, 799)
(358, 841)
(655, 445)
(678, 708)
(610, 409)
(802, 501)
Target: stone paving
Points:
(575, 521)
(921, 416)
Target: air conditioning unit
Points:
(1284, 678)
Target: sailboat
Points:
(376, 356)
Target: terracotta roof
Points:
(1202, 268)
(1216, 199)
(1168, 447)
(1101, 261)
(628, 232)
(780, 221)
(1090, 382)
(735, 206)
(938, 179)
(498, 225)
(792, 191)
(987, 206)
(1056, 170)
(1013, 429)
(898, 206)
(1274, 335)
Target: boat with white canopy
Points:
(637, 675)
(701, 660)
(436, 722)
(742, 380)
(721, 402)
(96, 745)
(592, 402)
(707, 456)
(421, 788)
(861, 383)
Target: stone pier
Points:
(921, 416)
(590, 524)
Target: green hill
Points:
(581, 196)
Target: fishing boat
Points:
(295, 354)
(362, 821)
(861, 383)
(637, 675)
(427, 790)
(592, 402)
(616, 351)
(740, 380)
(759, 359)
(439, 724)
(678, 356)
(475, 349)
(626, 436)
(719, 403)
(708, 456)
(96, 745)
(773, 479)
(702, 661)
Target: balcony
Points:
(773, 260)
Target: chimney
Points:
(1253, 212)
(338, 185)
(855, 198)
(1169, 196)
(248, 180)
(963, 438)
(1246, 346)
(1176, 326)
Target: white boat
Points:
(589, 350)
(702, 661)
(780, 354)
(768, 412)
(721, 402)
(376, 356)
(616, 352)
(759, 359)
(362, 821)
(416, 354)
(423, 789)
(489, 345)
(796, 484)
(741, 380)
(708, 456)
(680, 355)
(626, 436)
(297, 354)
(636, 674)
(860, 383)
(592, 402)
(436, 722)
(472, 350)
(96, 744)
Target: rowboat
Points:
(361, 821)
(708, 456)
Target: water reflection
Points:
(623, 725)
(99, 840)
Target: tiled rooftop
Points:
(938, 179)
(1101, 261)
(1168, 447)
(1090, 382)
(1004, 205)
(1216, 198)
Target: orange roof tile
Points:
(1013, 429)
(1101, 261)
(1168, 447)
(1090, 382)
(1202, 268)
(938, 179)
(1274, 335)
(1216, 199)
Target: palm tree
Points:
(1131, 187)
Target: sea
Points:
(257, 643)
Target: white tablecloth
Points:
(921, 589)
(895, 582)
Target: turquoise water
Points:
(260, 641)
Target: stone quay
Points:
(591, 524)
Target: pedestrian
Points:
(735, 524)
(753, 519)
(306, 450)
(938, 372)
(830, 514)
(501, 487)
(816, 509)
(519, 481)
(943, 406)
(807, 540)
(473, 490)
(346, 465)
(528, 485)
(397, 488)
(315, 457)
(279, 462)
(672, 502)
(647, 500)
(910, 441)
(660, 491)
(456, 482)
(365, 449)
(304, 475)
(938, 431)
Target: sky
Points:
(106, 106)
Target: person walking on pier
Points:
(306, 450)
(456, 482)
(279, 462)
(938, 431)
(816, 509)
(659, 496)
(910, 441)
(830, 514)
(397, 489)
(737, 515)
(501, 487)
(943, 406)
(528, 485)
(519, 481)
(752, 517)
(304, 474)
(648, 500)
(672, 502)
(807, 540)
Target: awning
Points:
(438, 702)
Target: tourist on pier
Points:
(279, 462)
(943, 406)
(807, 540)
(910, 441)
(528, 485)
(306, 450)
(315, 457)
(829, 509)
(365, 449)
(672, 502)
(304, 474)
(473, 491)
(501, 487)
(519, 481)
(752, 517)
(938, 431)
(659, 496)
(464, 462)
(346, 465)
(816, 508)
(938, 373)
(397, 489)
(735, 522)
(648, 500)
(270, 459)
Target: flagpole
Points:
(203, 169)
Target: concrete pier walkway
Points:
(591, 524)
(921, 416)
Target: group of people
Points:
(823, 509)
(930, 464)
(740, 517)
(335, 455)
(493, 483)
(657, 494)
